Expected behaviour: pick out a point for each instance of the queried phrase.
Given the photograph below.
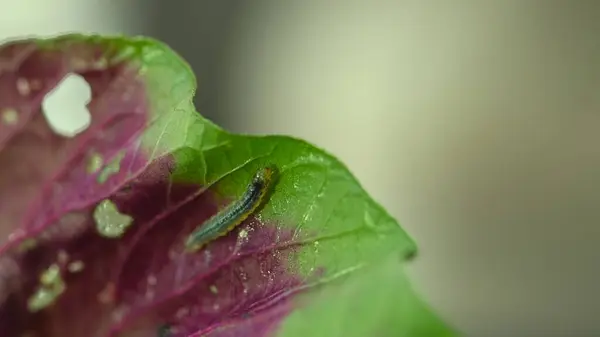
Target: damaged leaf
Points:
(107, 212)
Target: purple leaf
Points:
(97, 285)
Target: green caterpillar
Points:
(235, 213)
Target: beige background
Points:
(474, 122)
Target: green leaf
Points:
(377, 302)
(342, 229)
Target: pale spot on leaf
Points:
(27, 245)
(10, 116)
(113, 167)
(23, 87)
(95, 162)
(110, 222)
(76, 266)
(51, 287)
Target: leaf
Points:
(92, 228)
(378, 302)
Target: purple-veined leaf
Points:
(92, 228)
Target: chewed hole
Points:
(65, 106)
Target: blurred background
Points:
(475, 123)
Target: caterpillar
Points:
(235, 213)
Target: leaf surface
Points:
(92, 228)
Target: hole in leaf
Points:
(65, 106)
